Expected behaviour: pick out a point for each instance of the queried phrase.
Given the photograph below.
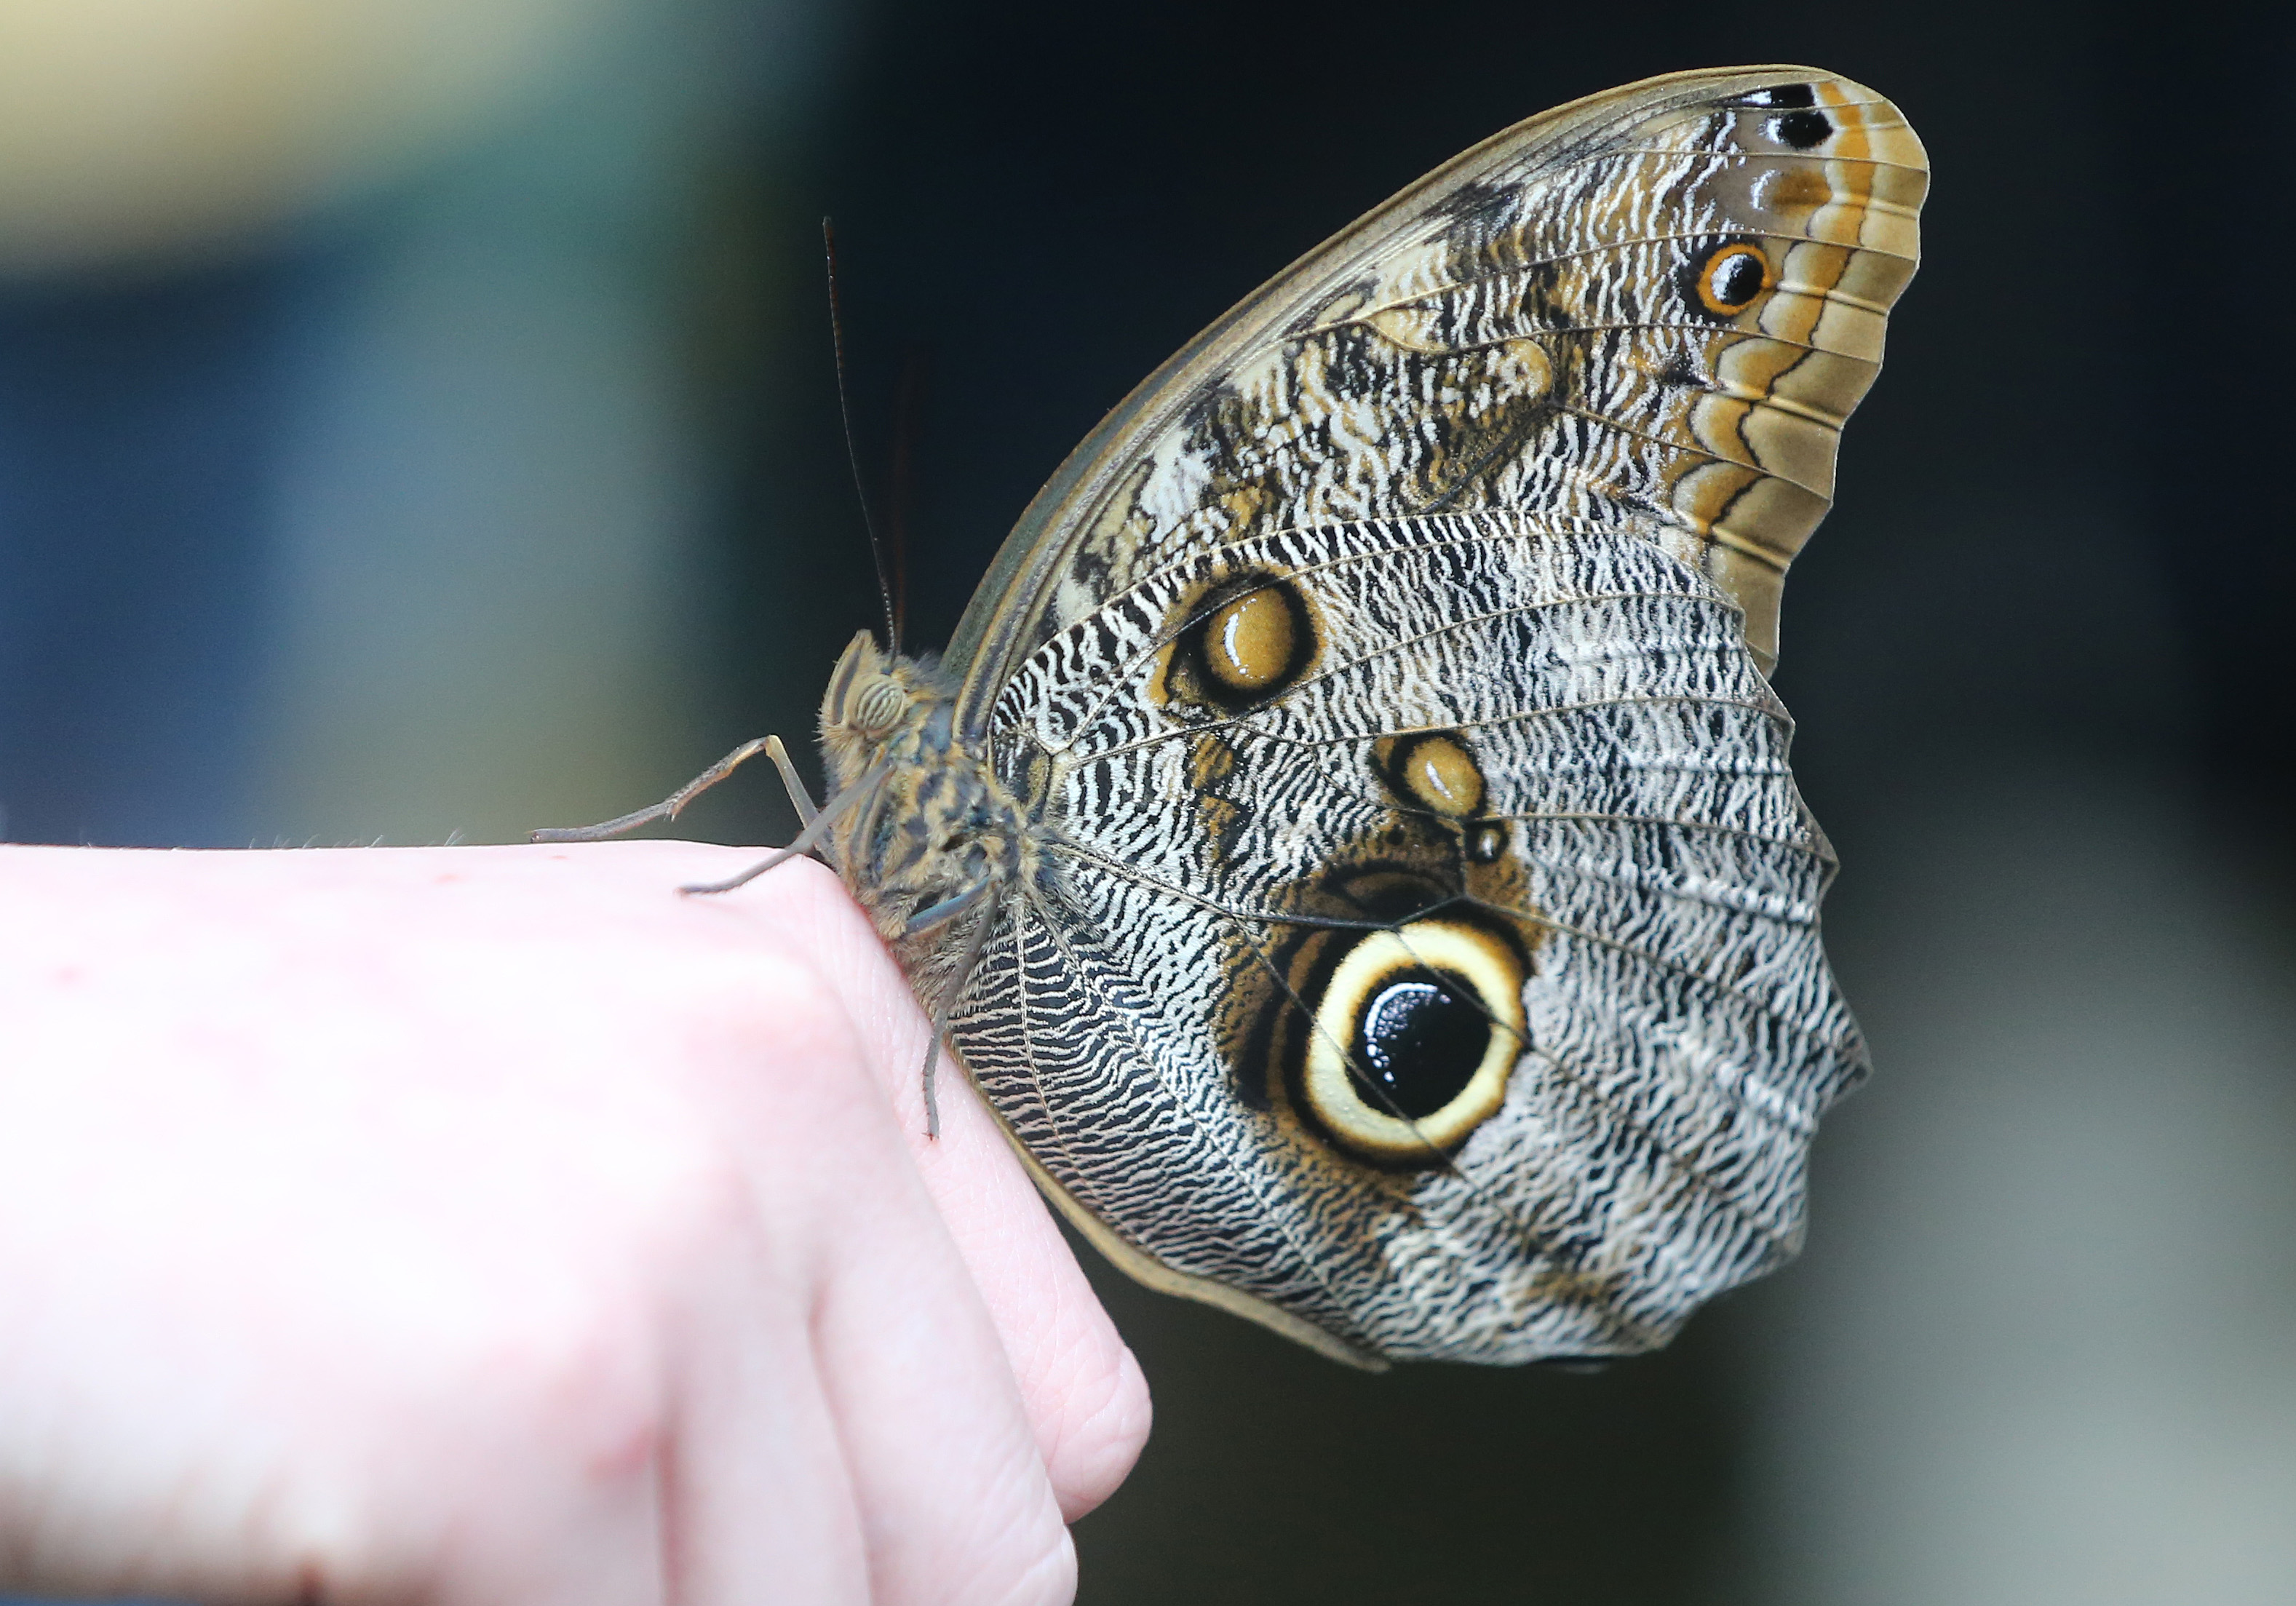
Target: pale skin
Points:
(494, 1225)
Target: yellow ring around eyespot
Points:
(1486, 964)
(1710, 271)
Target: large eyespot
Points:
(1414, 1034)
(1730, 278)
(1242, 644)
(1251, 644)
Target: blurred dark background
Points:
(487, 473)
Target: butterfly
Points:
(1349, 838)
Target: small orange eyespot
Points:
(1732, 280)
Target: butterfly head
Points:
(872, 697)
(927, 834)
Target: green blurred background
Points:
(417, 422)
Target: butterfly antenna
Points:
(908, 425)
(852, 451)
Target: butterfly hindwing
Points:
(1612, 818)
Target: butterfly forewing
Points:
(1564, 319)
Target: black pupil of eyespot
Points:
(1419, 1044)
(1738, 279)
(1803, 129)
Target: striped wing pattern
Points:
(1523, 330)
(1532, 448)
(1684, 1031)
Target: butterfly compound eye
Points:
(877, 706)
(1416, 1033)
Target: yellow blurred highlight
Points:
(148, 130)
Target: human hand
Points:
(493, 1224)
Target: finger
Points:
(1087, 1399)
(1084, 1393)
(762, 1505)
(953, 1501)
(933, 1458)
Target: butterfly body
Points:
(1350, 838)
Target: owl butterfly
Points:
(1350, 840)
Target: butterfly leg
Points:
(925, 919)
(816, 829)
(669, 806)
